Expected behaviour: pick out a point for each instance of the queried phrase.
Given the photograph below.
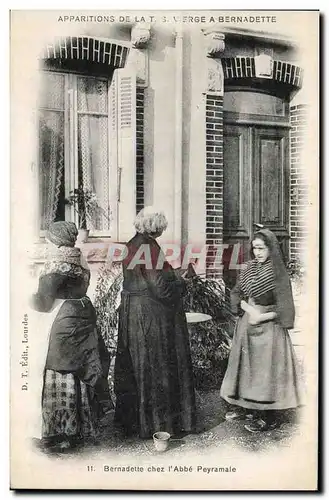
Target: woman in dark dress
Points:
(153, 377)
(76, 361)
(262, 372)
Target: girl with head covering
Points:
(262, 375)
(153, 378)
(76, 359)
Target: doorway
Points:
(256, 189)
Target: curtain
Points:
(93, 147)
(91, 119)
(51, 154)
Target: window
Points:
(254, 103)
(73, 146)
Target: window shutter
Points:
(113, 142)
(123, 153)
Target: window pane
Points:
(51, 166)
(52, 91)
(92, 95)
(89, 144)
(253, 103)
(93, 166)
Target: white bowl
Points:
(161, 440)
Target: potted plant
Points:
(85, 204)
(210, 342)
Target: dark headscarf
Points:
(282, 288)
(62, 233)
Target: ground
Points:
(213, 429)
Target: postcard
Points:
(164, 250)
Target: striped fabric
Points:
(66, 406)
(257, 278)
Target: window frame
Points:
(239, 118)
(71, 114)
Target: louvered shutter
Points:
(123, 153)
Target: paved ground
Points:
(213, 429)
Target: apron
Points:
(41, 324)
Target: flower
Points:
(295, 269)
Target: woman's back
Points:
(145, 270)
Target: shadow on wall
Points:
(186, 135)
(148, 146)
(115, 31)
(163, 39)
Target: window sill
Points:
(95, 250)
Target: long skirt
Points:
(68, 409)
(153, 376)
(262, 371)
(41, 323)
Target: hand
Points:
(255, 317)
(246, 307)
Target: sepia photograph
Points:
(164, 250)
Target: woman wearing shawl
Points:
(76, 361)
(262, 368)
